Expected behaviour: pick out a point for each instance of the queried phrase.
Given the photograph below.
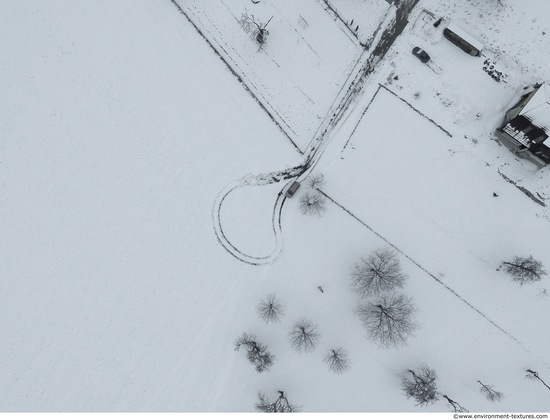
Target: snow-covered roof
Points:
(537, 110)
(465, 36)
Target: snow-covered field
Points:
(362, 17)
(119, 128)
(306, 61)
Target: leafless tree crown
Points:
(255, 28)
(378, 272)
(524, 269)
(531, 374)
(270, 309)
(389, 319)
(256, 353)
(457, 408)
(279, 405)
(489, 392)
(421, 385)
(304, 336)
(316, 180)
(337, 360)
(313, 202)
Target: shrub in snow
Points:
(456, 406)
(255, 28)
(313, 202)
(315, 181)
(378, 272)
(304, 336)
(270, 309)
(489, 392)
(524, 269)
(256, 353)
(421, 385)
(337, 360)
(279, 405)
(389, 319)
(531, 374)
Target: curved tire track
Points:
(347, 95)
(255, 181)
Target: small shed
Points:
(463, 40)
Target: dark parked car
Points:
(421, 54)
(293, 188)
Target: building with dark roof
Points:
(527, 126)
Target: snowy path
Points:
(347, 96)
(247, 181)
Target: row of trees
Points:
(388, 317)
(312, 202)
(389, 320)
(421, 386)
(304, 337)
(380, 271)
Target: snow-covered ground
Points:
(362, 17)
(306, 61)
(120, 126)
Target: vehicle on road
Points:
(421, 54)
(293, 188)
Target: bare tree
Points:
(388, 320)
(456, 406)
(316, 180)
(313, 202)
(256, 353)
(279, 405)
(524, 269)
(378, 272)
(337, 360)
(255, 28)
(304, 336)
(270, 309)
(422, 387)
(489, 392)
(531, 374)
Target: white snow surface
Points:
(120, 126)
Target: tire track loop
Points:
(249, 181)
(352, 88)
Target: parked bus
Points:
(463, 40)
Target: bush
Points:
(256, 353)
(270, 309)
(524, 269)
(422, 387)
(304, 336)
(313, 202)
(489, 392)
(279, 405)
(337, 360)
(388, 320)
(315, 181)
(378, 272)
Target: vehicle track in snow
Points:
(347, 95)
(256, 181)
(351, 89)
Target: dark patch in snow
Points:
(523, 190)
